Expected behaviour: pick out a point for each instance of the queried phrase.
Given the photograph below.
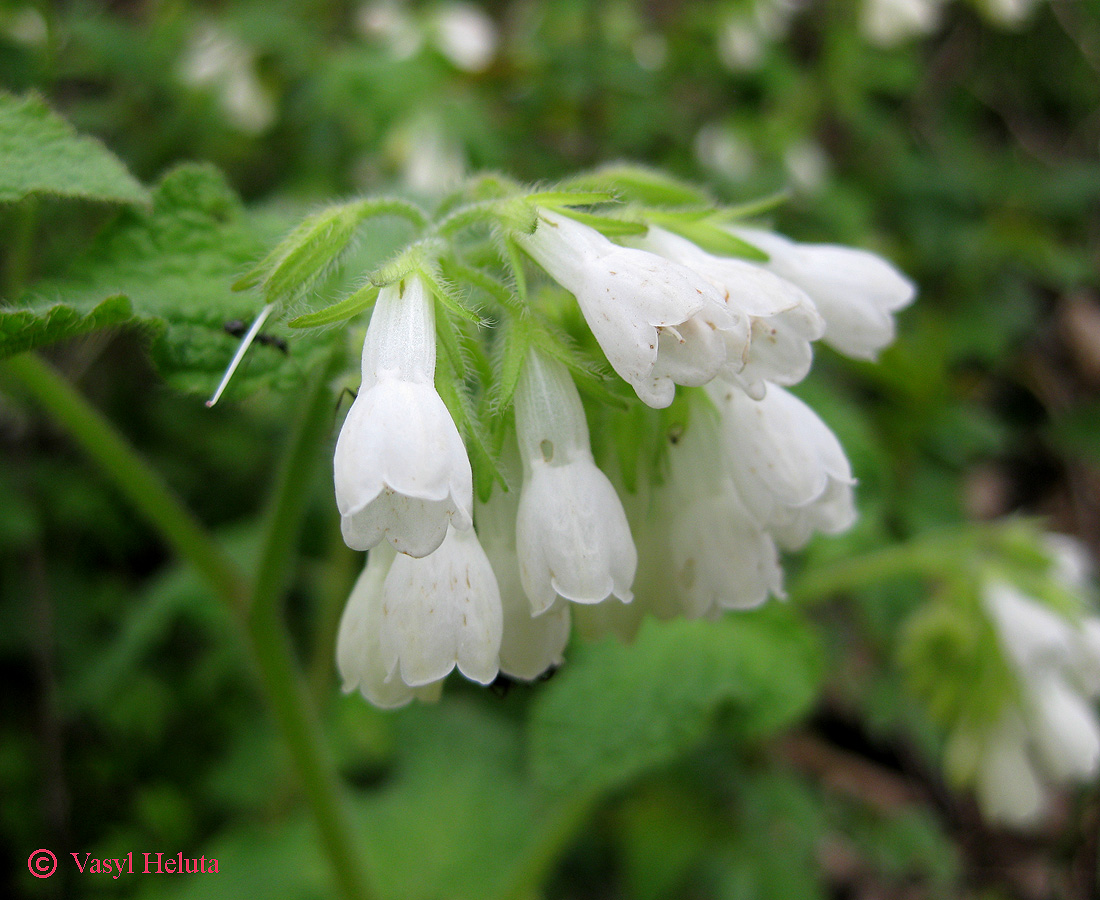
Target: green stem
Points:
(257, 609)
(140, 484)
(933, 554)
(271, 644)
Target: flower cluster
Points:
(1048, 733)
(496, 585)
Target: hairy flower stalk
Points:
(659, 323)
(401, 469)
(571, 532)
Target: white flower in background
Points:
(358, 645)
(440, 612)
(386, 21)
(888, 22)
(530, 644)
(572, 535)
(401, 469)
(782, 319)
(465, 34)
(718, 148)
(24, 24)
(855, 291)
(790, 470)
(1052, 734)
(807, 164)
(431, 162)
(216, 59)
(659, 323)
(1008, 13)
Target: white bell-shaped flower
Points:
(571, 532)
(659, 323)
(789, 468)
(439, 612)
(1008, 786)
(1067, 734)
(782, 318)
(358, 646)
(855, 291)
(530, 644)
(700, 550)
(401, 469)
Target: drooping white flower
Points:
(401, 469)
(1052, 728)
(782, 318)
(466, 35)
(530, 644)
(571, 532)
(659, 323)
(789, 468)
(856, 292)
(439, 612)
(358, 644)
(703, 551)
(888, 22)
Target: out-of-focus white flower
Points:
(386, 21)
(782, 318)
(659, 323)
(1051, 735)
(650, 50)
(807, 164)
(571, 532)
(217, 60)
(431, 162)
(358, 645)
(888, 22)
(790, 470)
(856, 292)
(466, 35)
(718, 148)
(25, 25)
(1009, 13)
(440, 612)
(530, 644)
(401, 469)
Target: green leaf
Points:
(644, 186)
(24, 329)
(306, 254)
(571, 198)
(708, 235)
(345, 309)
(616, 711)
(607, 225)
(42, 153)
(173, 263)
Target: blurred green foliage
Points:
(129, 720)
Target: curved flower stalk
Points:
(782, 318)
(440, 612)
(789, 468)
(530, 644)
(401, 469)
(855, 291)
(358, 644)
(572, 535)
(1049, 734)
(659, 323)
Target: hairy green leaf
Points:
(42, 153)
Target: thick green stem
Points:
(258, 609)
(142, 486)
(931, 555)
